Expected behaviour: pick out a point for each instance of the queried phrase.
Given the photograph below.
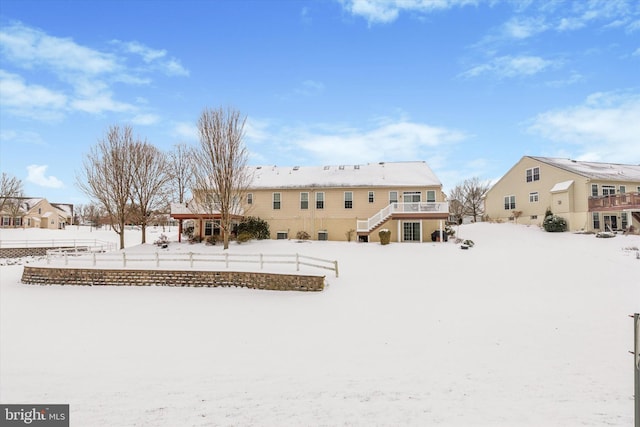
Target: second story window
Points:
(304, 200)
(431, 196)
(371, 197)
(393, 197)
(594, 190)
(276, 200)
(249, 198)
(348, 199)
(320, 200)
(533, 174)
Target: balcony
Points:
(415, 210)
(614, 202)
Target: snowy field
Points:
(527, 328)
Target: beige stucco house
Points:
(343, 202)
(591, 196)
(36, 213)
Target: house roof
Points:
(595, 170)
(382, 174)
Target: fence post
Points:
(157, 259)
(124, 259)
(94, 259)
(191, 259)
(297, 262)
(335, 267)
(261, 262)
(226, 259)
(66, 258)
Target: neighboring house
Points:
(591, 196)
(346, 202)
(36, 213)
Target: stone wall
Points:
(98, 277)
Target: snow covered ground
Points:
(527, 328)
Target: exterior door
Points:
(411, 231)
(610, 222)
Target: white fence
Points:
(86, 244)
(190, 259)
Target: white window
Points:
(509, 202)
(594, 190)
(431, 196)
(596, 221)
(625, 220)
(371, 197)
(533, 174)
(608, 190)
(6, 221)
(320, 200)
(276, 201)
(348, 199)
(393, 197)
(249, 198)
(304, 200)
(411, 196)
(622, 189)
(533, 197)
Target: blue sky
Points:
(469, 86)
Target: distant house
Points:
(591, 196)
(343, 202)
(36, 213)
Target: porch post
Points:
(399, 228)
(441, 234)
(179, 231)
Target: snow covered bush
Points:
(554, 223)
(385, 236)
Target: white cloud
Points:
(605, 127)
(524, 27)
(310, 88)
(145, 119)
(32, 101)
(185, 131)
(22, 137)
(385, 11)
(511, 66)
(84, 76)
(384, 140)
(636, 52)
(36, 175)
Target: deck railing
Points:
(615, 202)
(401, 208)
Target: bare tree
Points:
(106, 176)
(474, 191)
(149, 168)
(10, 189)
(469, 198)
(456, 203)
(180, 169)
(220, 165)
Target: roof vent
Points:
(356, 167)
(341, 167)
(326, 168)
(295, 168)
(258, 167)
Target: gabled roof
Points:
(595, 170)
(382, 174)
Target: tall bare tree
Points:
(150, 171)
(106, 176)
(220, 165)
(180, 169)
(467, 199)
(10, 189)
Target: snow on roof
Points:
(595, 170)
(562, 186)
(382, 174)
